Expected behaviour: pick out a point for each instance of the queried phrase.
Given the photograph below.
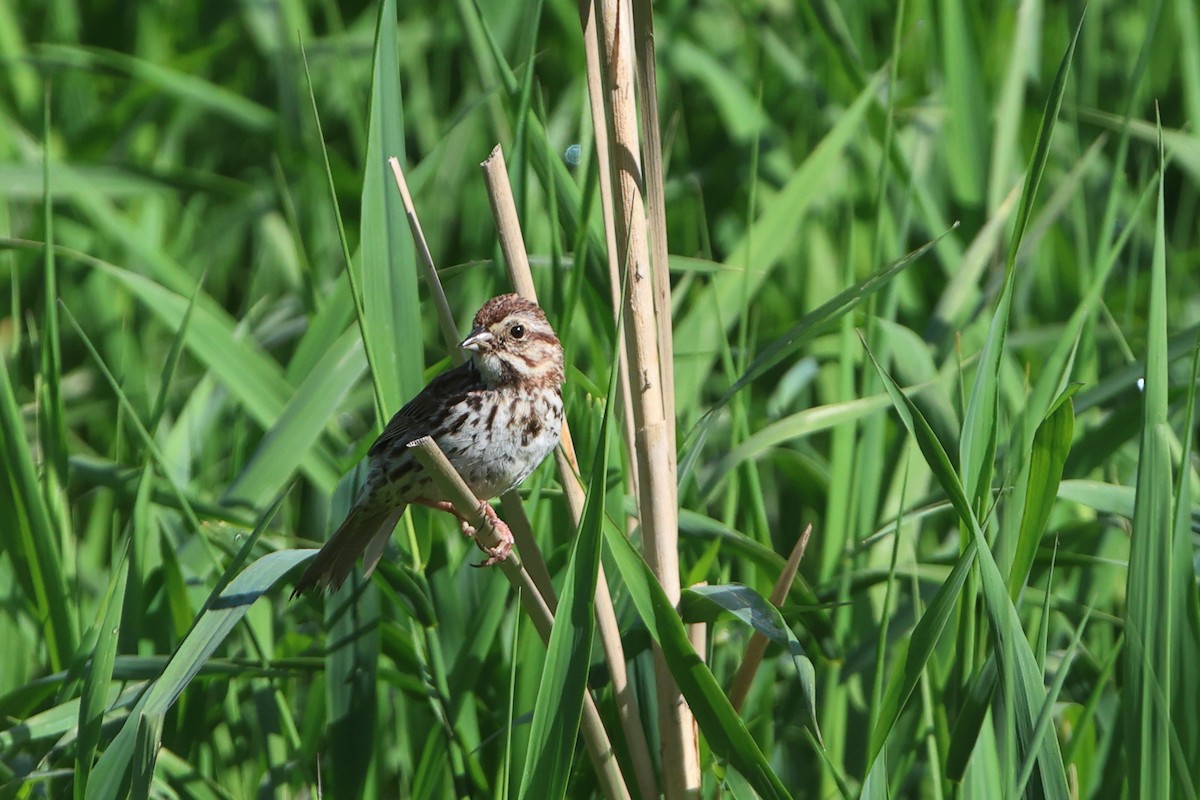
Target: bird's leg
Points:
(442, 505)
(504, 537)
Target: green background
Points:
(186, 357)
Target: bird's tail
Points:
(361, 533)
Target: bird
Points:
(496, 416)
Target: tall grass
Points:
(211, 299)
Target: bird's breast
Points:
(496, 437)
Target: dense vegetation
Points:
(1000, 592)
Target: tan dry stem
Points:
(740, 688)
(656, 205)
(657, 509)
(455, 488)
(513, 244)
(595, 81)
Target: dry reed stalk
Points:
(657, 507)
(595, 81)
(740, 687)
(512, 242)
(656, 206)
(434, 461)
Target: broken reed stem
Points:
(657, 508)
(508, 223)
(435, 463)
(512, 242)
(740, 687)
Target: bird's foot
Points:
(504, 538)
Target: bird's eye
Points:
(517, 331)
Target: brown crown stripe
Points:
(500, 307)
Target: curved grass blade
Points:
(722, 727)
(1051, 444)
(1017, 665)
(559, 705)
(229, 602)
(705, 603)
(815, 322)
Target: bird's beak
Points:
(477, 339)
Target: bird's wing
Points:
(420, 416)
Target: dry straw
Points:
(608, 27)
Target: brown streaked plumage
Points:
(495, 417)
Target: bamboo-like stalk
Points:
(434, 461)
(656, 206)
(595, 81)
(512, 242)
(657, 507)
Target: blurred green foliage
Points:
(189, 355)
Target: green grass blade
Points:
(978, 445)
(966, 127)
(391, 304)
(771, 234)
(810, 325)
(52, 426)
(301, 422)
(1187, 650)
(187, 88)
(1151, 622)
(704, 603)
(1019, 670)
(1051, 444)
(92, 703)
(559, 706)
(352, 618)
(29, 536)
(913, 654)
(112, 771)
(253, 378)
(722, 727)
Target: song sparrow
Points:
(495, 417)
